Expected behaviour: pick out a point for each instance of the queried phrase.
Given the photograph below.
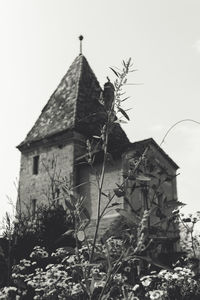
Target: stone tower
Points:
(53, 150)
(72, 114)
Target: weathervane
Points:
(80, 39)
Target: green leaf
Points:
(125, 99)
(125, 175)
(73, 199)
(75, 187)
(124, 113)
(68, 232)
(69, 205)
(83, 224)
(143, 178)
(174, 204)
(159, 214)
(65, 189)
(108, 258)
(118, 192)
(92, 285)
(122, 122)
(114, 204)
(86, 212)
(186, 220)
(115, 72)
(102, 193)
(81, 236)
(129, 217)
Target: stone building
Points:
(52, 149)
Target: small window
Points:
(35, 164)
(33, 208)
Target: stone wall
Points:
(55, 161)
(113, 175)
(166, 189)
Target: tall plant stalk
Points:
(112, 103)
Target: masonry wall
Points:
(113, 175)
(54, 162)
(167, 189)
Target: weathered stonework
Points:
(113, 175)
(53, 161)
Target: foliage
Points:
(24, 233)
(45, 230)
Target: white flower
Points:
(71, 259)
(168, 276)
(156, 294)
(119, 277)
(77, 289)
(146, 282)
(136, 287)
(99, 283)
(162, 273)
(175, 276)
(134, 298)
(178, 269)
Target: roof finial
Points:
(80, 39)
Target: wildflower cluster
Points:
(20, 271)
(39, 252)
(55, 282)
(60, 253)
(180, 283)
(10, 293)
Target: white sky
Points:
(38, 42)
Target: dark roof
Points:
(74, 105)
(140, 145)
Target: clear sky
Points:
(39, 41)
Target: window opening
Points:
(35, 164)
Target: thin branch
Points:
(174, 125)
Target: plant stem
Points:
(100, 186)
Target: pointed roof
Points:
(74, 105)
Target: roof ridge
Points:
(78, 88)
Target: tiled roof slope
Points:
(73, 105)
